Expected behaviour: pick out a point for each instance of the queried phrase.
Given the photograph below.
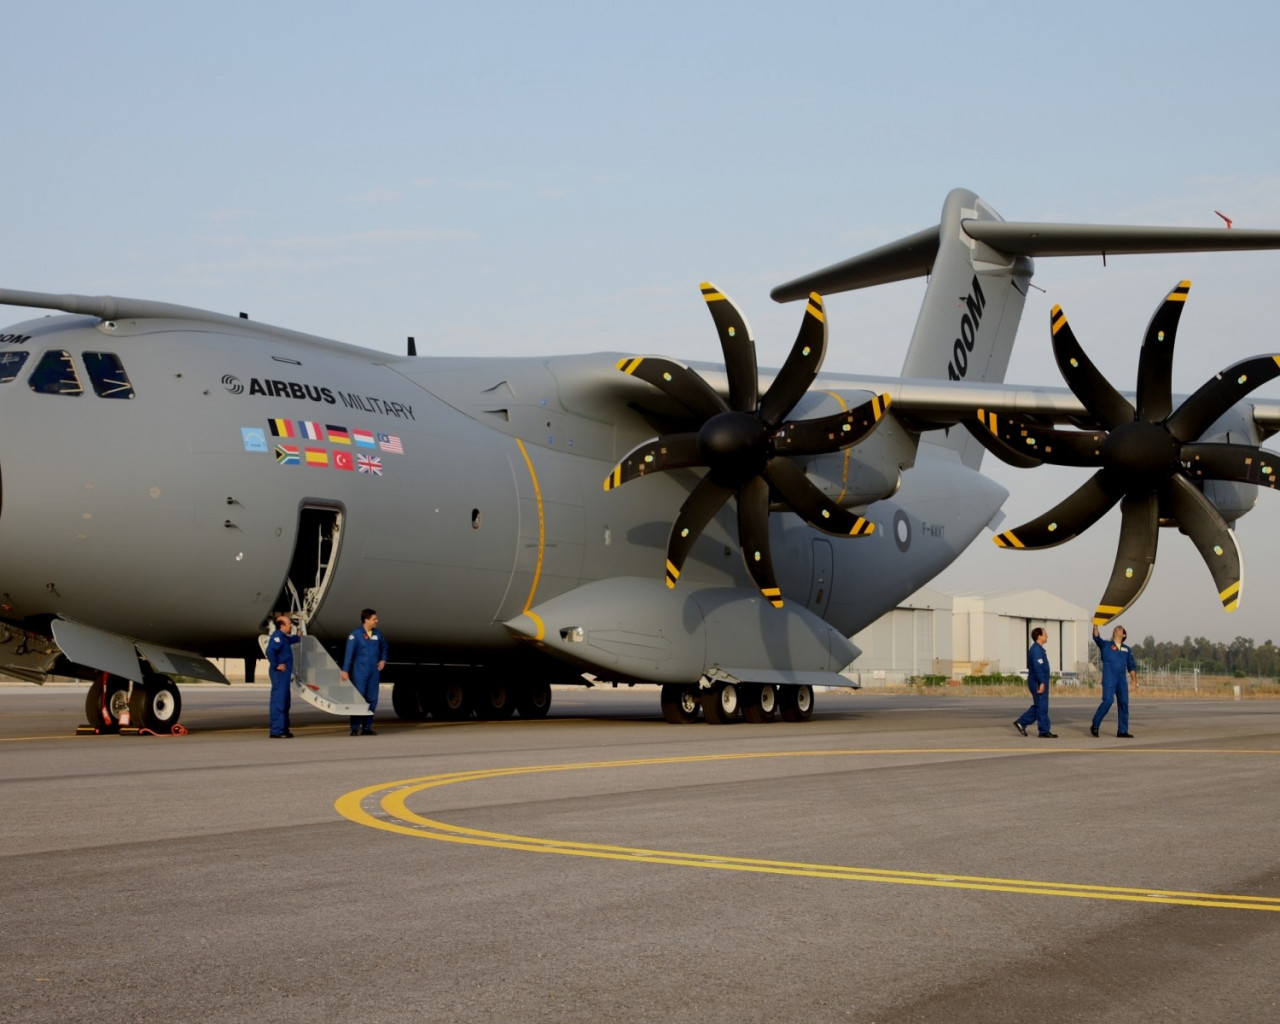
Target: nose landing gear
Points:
(154, 705)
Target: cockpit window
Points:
(10, 363)
(108, 376)
(55, 374)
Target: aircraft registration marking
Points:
(391, 813)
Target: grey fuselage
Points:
(173, 517)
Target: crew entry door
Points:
(315, 555)
(317, 678)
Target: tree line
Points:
(1240, 658)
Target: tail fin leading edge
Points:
(971, 307)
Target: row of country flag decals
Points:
(309, 430)
(283, 432)
(292, 455)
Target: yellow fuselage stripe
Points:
(542, 530)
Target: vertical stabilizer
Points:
(970, 313)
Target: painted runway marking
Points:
(391, 813)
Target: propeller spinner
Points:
(1149, 459)
(746, 443)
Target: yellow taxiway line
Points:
(392, 814)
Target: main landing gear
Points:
(453, 696)
(113, 703)
(723, 703)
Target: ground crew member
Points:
(366, 656)
(1118, 668)
(280, 660)
(1038, 684)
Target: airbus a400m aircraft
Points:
(171, 477)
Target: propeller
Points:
(746, 443)
(1149, 459)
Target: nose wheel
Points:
(154, 704)
(106, 702)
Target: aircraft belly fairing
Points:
(637, 629)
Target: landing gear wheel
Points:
(407, 702)
(450, 702)
(796, 703)
(494, 701)
(534, 701)
(720, 705)
(161, 704)
(117, 702)
(680, 704)
(760, 703)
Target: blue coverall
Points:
(1037, 675)
(1117, 663)
(280, 652)
(365, 648)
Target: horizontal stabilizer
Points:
(898, 261)
(1026, 238)
(914, 255)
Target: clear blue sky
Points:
(558, 177)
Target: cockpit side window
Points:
(10, 363)
(55, 374)
(108, 376)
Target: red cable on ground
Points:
(178, 729)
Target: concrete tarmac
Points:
(897, 858)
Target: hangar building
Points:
(932, 633)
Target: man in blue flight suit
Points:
(1118, 668)
(1038, 684)
(366, 656)
(280, 659)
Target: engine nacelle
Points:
(870, 471)
(1232, 499)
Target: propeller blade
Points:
(674, 451)
(1095, 392)
(1214, 397)
(1209, 532)
(699, 508)
(1155, 363)
(808, 502)
(992, 443)
(753, 536)
(1045, 444)
(801, 367)
(678, 382)
(830, 433)
(1069, 518)
(738, 346)
(1211, 460)
(1135, 556)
